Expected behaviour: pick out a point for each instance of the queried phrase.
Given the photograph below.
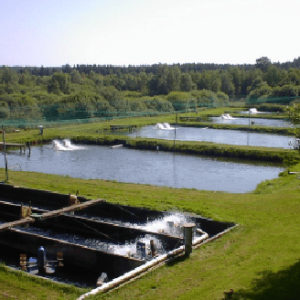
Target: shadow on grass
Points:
(177, 260)
(281, 285)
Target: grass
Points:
(93, 130)
(251, 259)
(259, 259)
(19, 285)
(98, 133)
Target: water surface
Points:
(144, 167)
(222, 136)
(253, 121)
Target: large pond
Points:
(222, 136)
(144, 167)
(252, 121)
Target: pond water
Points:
(253, 121)
(222, 136)
(144, 167)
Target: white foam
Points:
(227, 117)
(164, 126)
(171, 224)
(253, 111)
(65, 145)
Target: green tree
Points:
(53, 86)
(204, 98)
(174, 79)
(114, 97)
(64, 81)
(76, 77)
(180, 100)
(294, 116)
(263, 63)
(227, 85)
(186, 82)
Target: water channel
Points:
(144, 167)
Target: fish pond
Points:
(252, 121)
(221, 136)
(143, 167)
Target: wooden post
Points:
(249, 120)
(188, 237)
(175, 131)
(29, 149)
(60, 259)
(25, 211)
(153, 248)
(23, 262)
(73, 201)
(5, 158)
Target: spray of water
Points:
(170, 224)
(65, 145)
(164, 126)
(227, 117)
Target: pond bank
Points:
(252, 128)
(200, 148)
(286, 156)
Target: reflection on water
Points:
(253, 121)
(146, 167)
(222, 136)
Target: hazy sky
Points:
(122, 32)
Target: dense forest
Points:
(88, 91)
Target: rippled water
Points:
(253, 121)
(222, 136)
(145, 167)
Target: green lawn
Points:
(19, 285)
(259, 259)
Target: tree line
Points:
(94, 91)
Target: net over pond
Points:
(145, 167)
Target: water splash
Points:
(170, 224)
(227, 117)
(253, 111)
(164, 126)
(65, 145)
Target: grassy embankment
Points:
(98, 133)
(259, 259)
(102, 126)
(19, 285)
(201, 120)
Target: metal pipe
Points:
(137, 271)
(142, 269)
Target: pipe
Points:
(216, 236)
(137, 271)
(200, 239)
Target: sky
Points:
(145, 32)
